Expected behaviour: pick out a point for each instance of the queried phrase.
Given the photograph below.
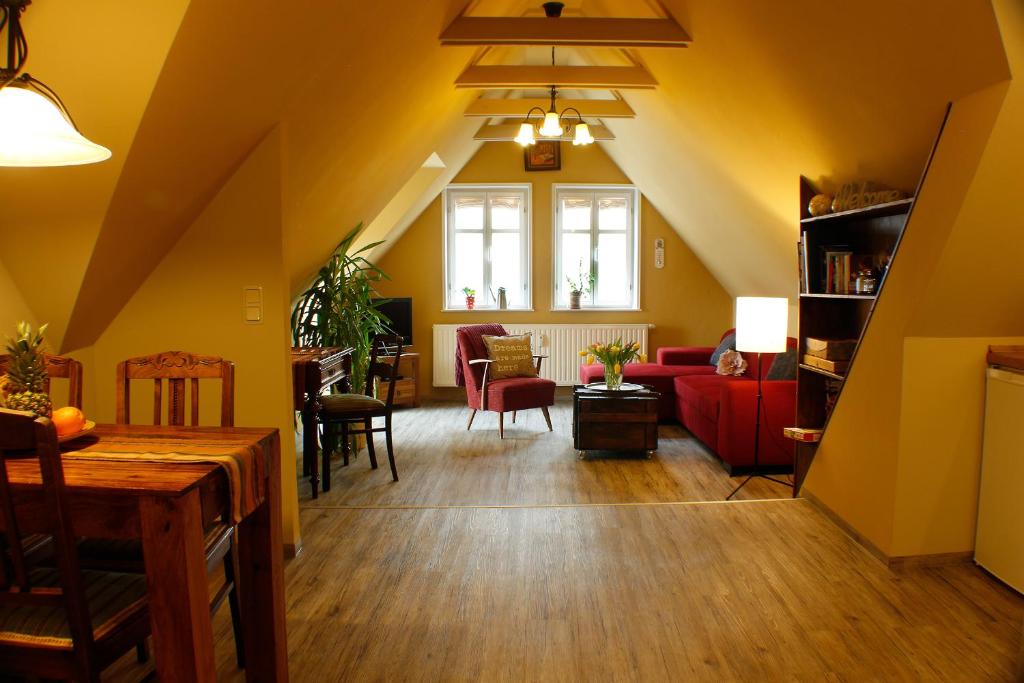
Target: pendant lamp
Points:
(36, 128)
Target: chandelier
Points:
(553, 125)
(36, 129)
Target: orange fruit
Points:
(68, 421)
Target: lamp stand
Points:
(756, 471)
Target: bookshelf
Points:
(867, 238)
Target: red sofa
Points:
(719, 410)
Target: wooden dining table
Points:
(167, 505)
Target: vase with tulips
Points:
(614, 357)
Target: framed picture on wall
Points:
(543, 155)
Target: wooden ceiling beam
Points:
(506, 132)
(518, 108)
(581, 77)
(571, 31)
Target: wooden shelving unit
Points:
(871, 234)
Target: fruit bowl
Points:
(86, 429)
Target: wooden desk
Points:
(314, 370)
(166, 505)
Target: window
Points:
(487, 245)
(596, 233)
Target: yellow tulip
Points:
(614, 349)
(590, 359)
(643, 357)
(617, 368)
(583, 352)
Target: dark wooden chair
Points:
(175, 368)
(503, 395)
(57, 622)
(352, 414)
(59, 367)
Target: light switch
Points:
(252, 304)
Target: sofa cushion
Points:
(512, 355)
(728, 343)
(703, 392)
(783, 366)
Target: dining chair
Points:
(353, 414)
(175, 368)
(510, 394)
(61, 367)
(58, 622)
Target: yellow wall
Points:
(900, 457)
(13, 308)
(684, 302)
(192, 301)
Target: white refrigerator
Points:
(999, 545)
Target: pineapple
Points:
(25, 383)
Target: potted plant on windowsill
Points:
(470, 297)
(582, 284)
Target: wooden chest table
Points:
(602, 421)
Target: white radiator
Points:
(560, 343)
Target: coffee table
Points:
(614, 421)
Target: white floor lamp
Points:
(761, 326)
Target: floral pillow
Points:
(731, 363)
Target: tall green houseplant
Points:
(339, 308)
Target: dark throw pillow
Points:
(784, 366)
(728, 343)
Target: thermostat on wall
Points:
(659, 253)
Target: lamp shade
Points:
(33, 132)
(551, 128)
(525, 136)
(583, 136)
(761, 324)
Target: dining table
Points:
(165, 485)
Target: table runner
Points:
(242, 461)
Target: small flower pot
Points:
(470, 302)
(574, 300)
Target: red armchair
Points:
(503, 395)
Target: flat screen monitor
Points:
(399, 311)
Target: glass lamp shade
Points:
(33, 132)
(551, 128)
(583, 136)
(525, 136)
(761, 324)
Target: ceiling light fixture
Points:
(36, 129)
(554, 125)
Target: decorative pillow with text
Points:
(512, 356)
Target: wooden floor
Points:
(589, 572)
(441, 463)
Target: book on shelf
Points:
(837, 366)
(837, 271)
(803, 434)
(805, 273)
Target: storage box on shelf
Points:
(833, 313)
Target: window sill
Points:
(487, 310)
(596, 309)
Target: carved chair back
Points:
(175, 367)
(60, 367)
(385, 354)
(22, 437)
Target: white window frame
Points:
(483, 299)
(558, 277)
